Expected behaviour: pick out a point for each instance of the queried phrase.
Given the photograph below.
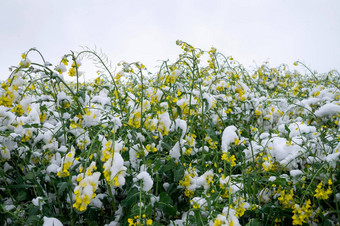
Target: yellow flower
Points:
(217, 222)
(302, 214)
(330, 181)
(18, 109)
(26, 136)
(72, 72)
(287, 199)
(196, 206)
(230, 159)
(240, 210)
(321, 193)
(64, 61)
(7, 99)
(188, 193)
(186, 181)
(131, 222)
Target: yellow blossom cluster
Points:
(321, 193)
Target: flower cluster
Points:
(85, 191)
(201, 142)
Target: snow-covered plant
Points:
(201, 142)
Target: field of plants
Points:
(201, 142)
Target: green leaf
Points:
(135, 210)
(33, 220)
(287, 129)
(166, 208)
(198, 218)
(61, 187)
(29, 176)
(22, 186)
(178, 173)
(131, 198)
(157, 166)
(163, 197)
(166, 146)
(91, 222)
(149, 210)
(31, 126)
(33, 210)
(22, 195)
(212, 133)
(169, 166)
(254, 222)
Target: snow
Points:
(199, 200)
(297, 128)
(51, 221)
(279, 149)
(182, 125)
(38, 202)
(147, 180)
(175, 152)
(119, 145)
(309, 101)
(9, 207)
(91, 118)
(264, 135)
(140, 137)
(53, 168)
(165, 120)
(327, 109)
(102, 98)
(332, 158)
(166, 186)
(210, 99)
(116, 167)
(337, 197)
(272, 178)
(203, 180)
(264, 195)
(295, 173)
(182, 101)
(133, 156)
(96, 201)
(228, 217)
(62, 96)
(7, 167)
(228, 137)
(60, 68)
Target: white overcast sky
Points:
(280, 31)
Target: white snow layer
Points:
(328, 109)
(295, 173)
(37, 201)
(175, 152)
(51, 221)
(147, 180)
(228, 137)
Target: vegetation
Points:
(201, 142)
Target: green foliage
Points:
(201, 142)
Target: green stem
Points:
(71, 202)
(113, 199)
(58, 199)
(140, 199)
(303, 197)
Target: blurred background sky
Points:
(252, 31)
